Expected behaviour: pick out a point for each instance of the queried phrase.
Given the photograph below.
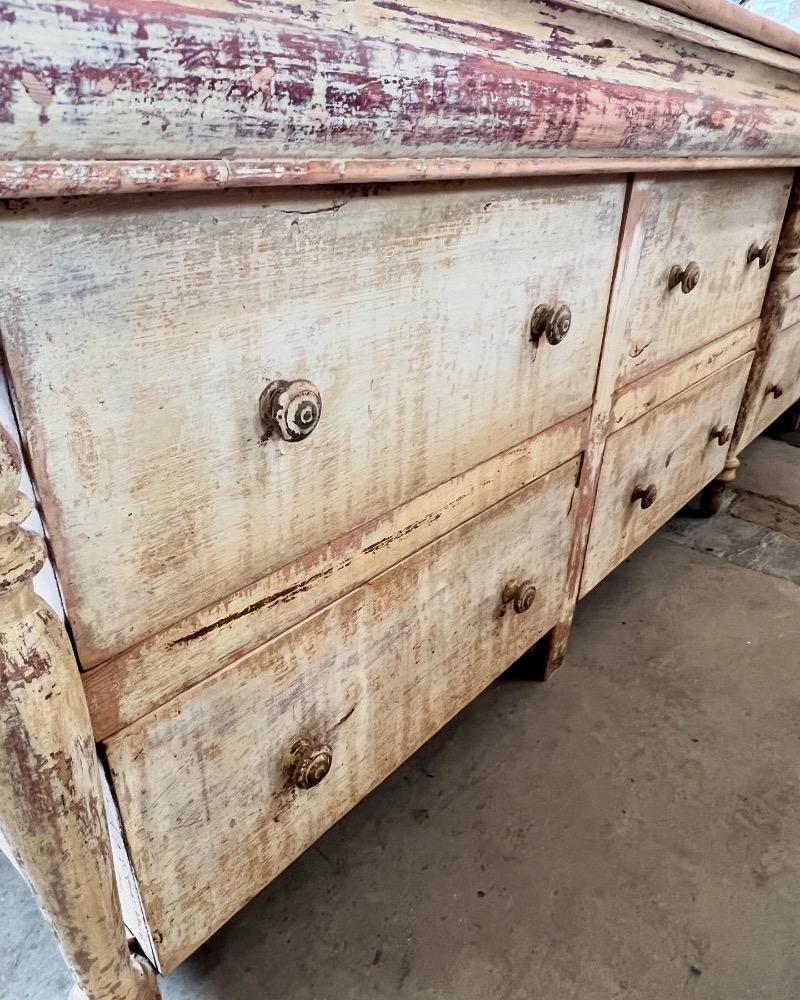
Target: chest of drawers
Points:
(337, 367)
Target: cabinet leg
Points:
(712, 496)
(545, 656)
(51, 806)
(552, 650)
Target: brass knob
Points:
(552, 322)
(762, 254)
(290, 410)
(776, 391)
(310, 763)
(687, 277)
(722, 434)
(520, 595)
(646, 495)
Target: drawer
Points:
(657, 463)
(779, 385)
(701, 226)
(140, 355)
(209, 803)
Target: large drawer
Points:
(140, 353)
(655, 464)
(210, 805)
(687, 274)
(779, 385)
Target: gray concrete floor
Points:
(630, 831)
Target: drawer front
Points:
(684, 229)
(779, 385)
(210, 807)
(139, 356)
(654, 465)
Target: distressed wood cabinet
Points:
(345, 346)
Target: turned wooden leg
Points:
(51, 806)
(712, 496)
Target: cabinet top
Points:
(132, 95)
(737, 20)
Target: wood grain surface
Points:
(637, 398)
(669, 447)
(209, 815)
(52, 821)
(149, 674)
(138, 355)
(320, 78)
(781, 372)
(710, 220)
(69, 178)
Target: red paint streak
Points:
(489, 37)
(166, 65)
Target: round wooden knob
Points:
(687, 277)
(776, 391)
(552, 322)
(310, 763)
(519, 594)
(723, 435)
(762, 254)
(290, 410)
(646, 495)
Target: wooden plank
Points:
(637, 398)
(138, 356)
(124, 689)
(208, 812)
(133, 80)
(671, 448)
(709, 221)
(65, 178)
(778, 385)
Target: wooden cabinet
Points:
(344, 347)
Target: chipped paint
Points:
(51, 812)
(143, 80)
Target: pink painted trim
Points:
(44, 179)
(736, 20)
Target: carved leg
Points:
(51, 807)
(712, 496)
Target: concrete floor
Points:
(630, 831)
